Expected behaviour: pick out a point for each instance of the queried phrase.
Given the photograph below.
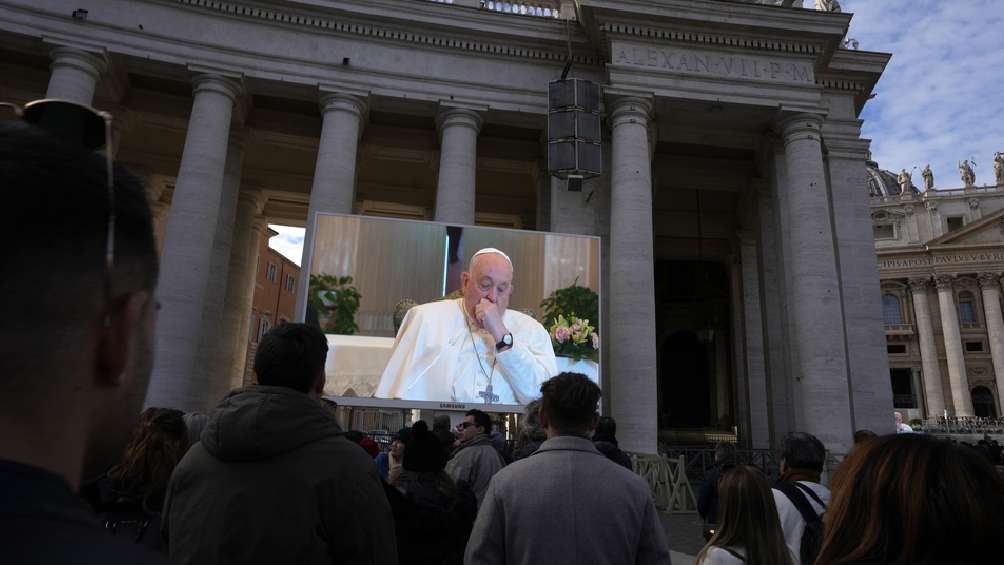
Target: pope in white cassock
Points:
(472, 349)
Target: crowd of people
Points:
(269, 477)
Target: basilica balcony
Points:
(899, 329)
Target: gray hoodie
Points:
(273, 481)
(475, 462)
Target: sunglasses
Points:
(464, 425)
(91, 129)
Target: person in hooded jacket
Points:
(272, 479)
(433, 514)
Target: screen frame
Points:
(376, 402)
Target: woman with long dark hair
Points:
(748, 530)
(911, 498)
(130, 497)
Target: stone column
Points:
(821, 391)
(458, 160)
(990, 283)
(634, 397)
(953, 346)
(179, 381)
(756, 369)
(334, 186)
(240, 287)
(934, 396)
(216, 353)
(75, 74)
(259, 227)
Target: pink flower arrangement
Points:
(574, 337)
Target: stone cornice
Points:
(717, 39)
(455, 38)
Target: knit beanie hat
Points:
(423, 452)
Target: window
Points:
(974, 346)
(967, 308)
(983, 402)
(883, 231)
(892, 310)
(264, 325)
(270, 271)
(290, 283)
(896, 349)
(955, 222)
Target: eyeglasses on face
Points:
(464, 425)
(92, 129)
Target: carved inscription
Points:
(955, 259)
(728, 65)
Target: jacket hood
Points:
(261, 422)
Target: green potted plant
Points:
(336, 297)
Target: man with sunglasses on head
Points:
(76, 337)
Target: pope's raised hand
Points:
(490, 318)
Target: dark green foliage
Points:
(336, 302)
(573, 300)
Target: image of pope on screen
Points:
(471, 349)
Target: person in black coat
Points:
(605, 440)
(433, 515)
(707, 494)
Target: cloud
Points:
(941, 98)
(289, 242)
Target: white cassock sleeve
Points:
(410, 359)
(528, 363)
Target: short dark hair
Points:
(56, 201)
(606, 427)
(480, 419)
(570, 401)
(291, 355)
(803, 451)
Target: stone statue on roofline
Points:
(928, 178)
(828, 5)
(999, 168)
(967, 174)
(905, 182)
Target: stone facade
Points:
(940, 257)
(732, 150)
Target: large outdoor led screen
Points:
(416, 339)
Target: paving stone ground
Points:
(683, 531)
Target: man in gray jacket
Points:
(567, 503)
(475, 461)
(272, 480)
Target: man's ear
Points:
(543, 418)
(594, 421)
(118, 342)
(320, 382)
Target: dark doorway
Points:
(686, 380)
(902, 388)
(983, 402)
(693, 323)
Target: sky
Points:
(940, 100)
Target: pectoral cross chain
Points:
(487, 395)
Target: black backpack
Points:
(812, 535)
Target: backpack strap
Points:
(812, 494)
(801, 503)
(732, 552)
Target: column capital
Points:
(919, 284)
(631, 109)
(254, 198)
(450, 116)
(259, 224)
(989, 280)
(801, 126)
(944, 282)
(218, 83)
(341, 101)
(86, 61)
